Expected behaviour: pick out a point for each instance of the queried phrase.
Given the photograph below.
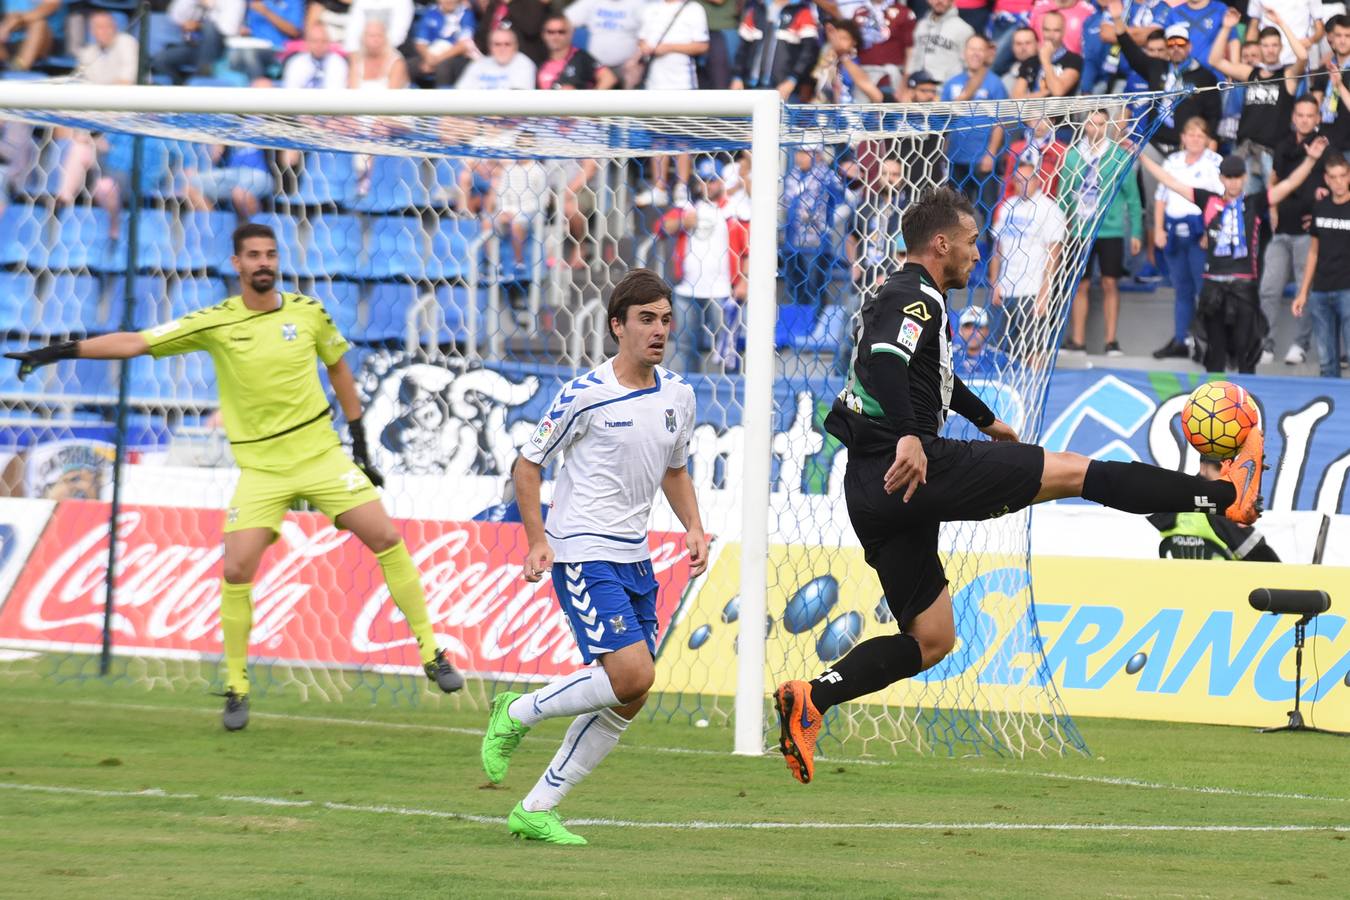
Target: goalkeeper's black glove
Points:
(361, 455)
(30, 360)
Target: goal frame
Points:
(765, 111)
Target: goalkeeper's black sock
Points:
(866, 669)
(1140, 488)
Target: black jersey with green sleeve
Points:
(900, 381)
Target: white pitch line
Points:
(1161, 786)
(695, 751)
(696, 825)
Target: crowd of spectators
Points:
(1037, 182)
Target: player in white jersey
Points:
(623, 430)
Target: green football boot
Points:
(501, 738)
(541, 826)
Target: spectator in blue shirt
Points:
(972, 151)
(239, 174)
(443, 38)
(813, 196)
(270, 24)
(1203, 18)
(972, 354)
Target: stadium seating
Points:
(155, 246)
(795, 323)
(206, 240)
(150, 303)
(389, 304)
(454, 301)
(342, 299)
(73, 305)
(397, 249)
(327, 179)
(450, 248)
(23, 236)
(333, 248)
(82, 240)
(191, 294)
(18, 292)
(393, 184)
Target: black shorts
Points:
(967, 481)
(1110, 256)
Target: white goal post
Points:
(764, 111)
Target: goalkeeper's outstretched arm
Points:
(119, 345)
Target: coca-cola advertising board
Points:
(318, 599)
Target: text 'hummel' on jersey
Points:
(616, 444)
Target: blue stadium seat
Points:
(445, 178)
(44, 180)
(91, 377)
(191, 294)
(288, 240)
(182, 156)
(397, 248)
(151, 379)
(795, 323)
(150, 302)
(394, 184)
(328, 178)
(156, 249)
(206, 240)
(74, 305)
(334, 247)
(828, 333)
(389, 305)
(195, 374)
(342, 299)
(454, 301)
(450, 254)
(81, 241)
(18, 294)
(23, 238)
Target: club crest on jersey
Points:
(919, 310)
(670, 421)
(617, 625)
(289, 332)
(909, 334)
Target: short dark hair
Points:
(1270, 31)
(851, 27)
(557, 15)
(638, 288)
(251, 230)
(1156, 34)
(1308, 98)
(1025, 28)
(936, 211)
(1340, 20)
(1334, 161)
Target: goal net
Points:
(465, 244)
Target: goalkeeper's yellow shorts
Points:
(331, 482)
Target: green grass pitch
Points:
(123, 792)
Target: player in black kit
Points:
(903, 480)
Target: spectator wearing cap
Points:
(1235, 225)
(1178, 229)
(1073, 15)
(524, 17)
(973, 356)
(569, 67)
(1091, 167)
(780, 42)
(1144, 18)
(1179, 70)
(938, 41)
(1028, 232)
(110, 58)
(1202, 19)
(972, 152)
(443, 42)
(926, 159)
(706, 312)
(612, 26)
(27, 31)
(840, 79)
(504, 68)
(1055, 70)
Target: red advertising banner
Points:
(319, 597)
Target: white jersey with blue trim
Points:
(616, 444)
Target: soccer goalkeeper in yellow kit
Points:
(263, 344)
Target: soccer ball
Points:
(1217, 417)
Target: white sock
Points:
(588, 741)
(585, 690)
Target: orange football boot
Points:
(799, 723)
(1243, 471)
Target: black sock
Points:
(867, 668)
(1139, 488)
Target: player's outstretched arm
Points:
(527, 477)
(120, 345)
(679, 490)
(344, 386)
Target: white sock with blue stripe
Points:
(585, 690)
(588, 741)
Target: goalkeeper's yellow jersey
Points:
(276, 414)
